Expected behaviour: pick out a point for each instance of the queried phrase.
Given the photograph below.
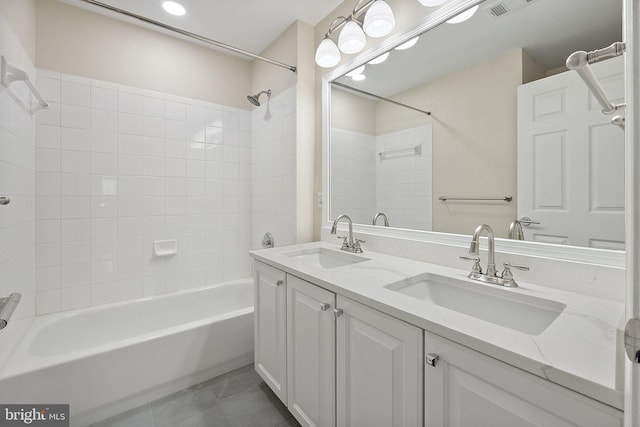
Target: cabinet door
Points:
(379, 369)
(270, 307)
(310, 353)
(467, 388)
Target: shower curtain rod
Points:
(428, 113)
(191, 35)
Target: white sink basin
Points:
(524, 313)
(325, 258)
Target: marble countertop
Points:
(580, 350)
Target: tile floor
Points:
(237, 399)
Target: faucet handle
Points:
(345, 242)
(507, 275)
(356, 246)
(476, 263)
(507, 265)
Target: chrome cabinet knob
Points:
(4, 200)
(325, 306)
(432, 359)
(279, 282)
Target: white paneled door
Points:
(571, 160)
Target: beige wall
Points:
(267, 76)
(21, 16)
(75, 41)
(352, 112)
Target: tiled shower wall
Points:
(404, 180)
(274, 169)
(353, 175)
(17, 130)
(118, 168)
(363, 184)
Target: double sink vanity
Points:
(377, 340)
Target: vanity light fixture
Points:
(380, 59)
(173, 8)
(378, 22)
(408, 44)
(463, 16)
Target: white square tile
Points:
(47, 207)
(47, 231)
(176, 149)
(175, 129)
(75, 139)
(75, 252)
(130, 144)
(104, 293)
(75, 275)
(104, 271)
(48, 136)
(104, 142)
(153, 107)
(50, 115)
(104, 228)
(74, 298)
(104, 164)
(129, 103)
(75, 162)
(130, 123)
(129, 227)
(130, 268)
(72, 184)
(104, 250)
(152, 126)
(104, 207)
(129, 165)
(153, 147)
(48, 302)
(75, 117)
(175, 168)
(104, 99)
(104, 120)
(129, 206)
(47, 160)
(130, 185)
(47, 254)
(130, 288)
(75, 94)
(75, 230)
(175, 111)
(47, 184)
(152, 186)
(153, 166)
(47, 278)
(130, 248)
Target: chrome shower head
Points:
(255, 99)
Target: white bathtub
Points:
(107, 359)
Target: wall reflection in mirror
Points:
(507, 119)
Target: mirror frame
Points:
(604, 257)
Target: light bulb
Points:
(327, 54)
(355, 72)
(173, 8)
(379, 20)
(359, 77)
(380, 59)
(352, 38)
(407, 45)
(432, 3)
(463, 16)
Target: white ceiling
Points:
(247, 24)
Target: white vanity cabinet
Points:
(467, 388)
(270, 340)
(379, 368)
(310, 353)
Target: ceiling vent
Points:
(504, 7)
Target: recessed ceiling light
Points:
(380, 59)
(407, 45)
(173, 8)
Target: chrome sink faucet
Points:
(384, 217)
(348, 244)
(491, 276)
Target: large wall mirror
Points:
(508, 125)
